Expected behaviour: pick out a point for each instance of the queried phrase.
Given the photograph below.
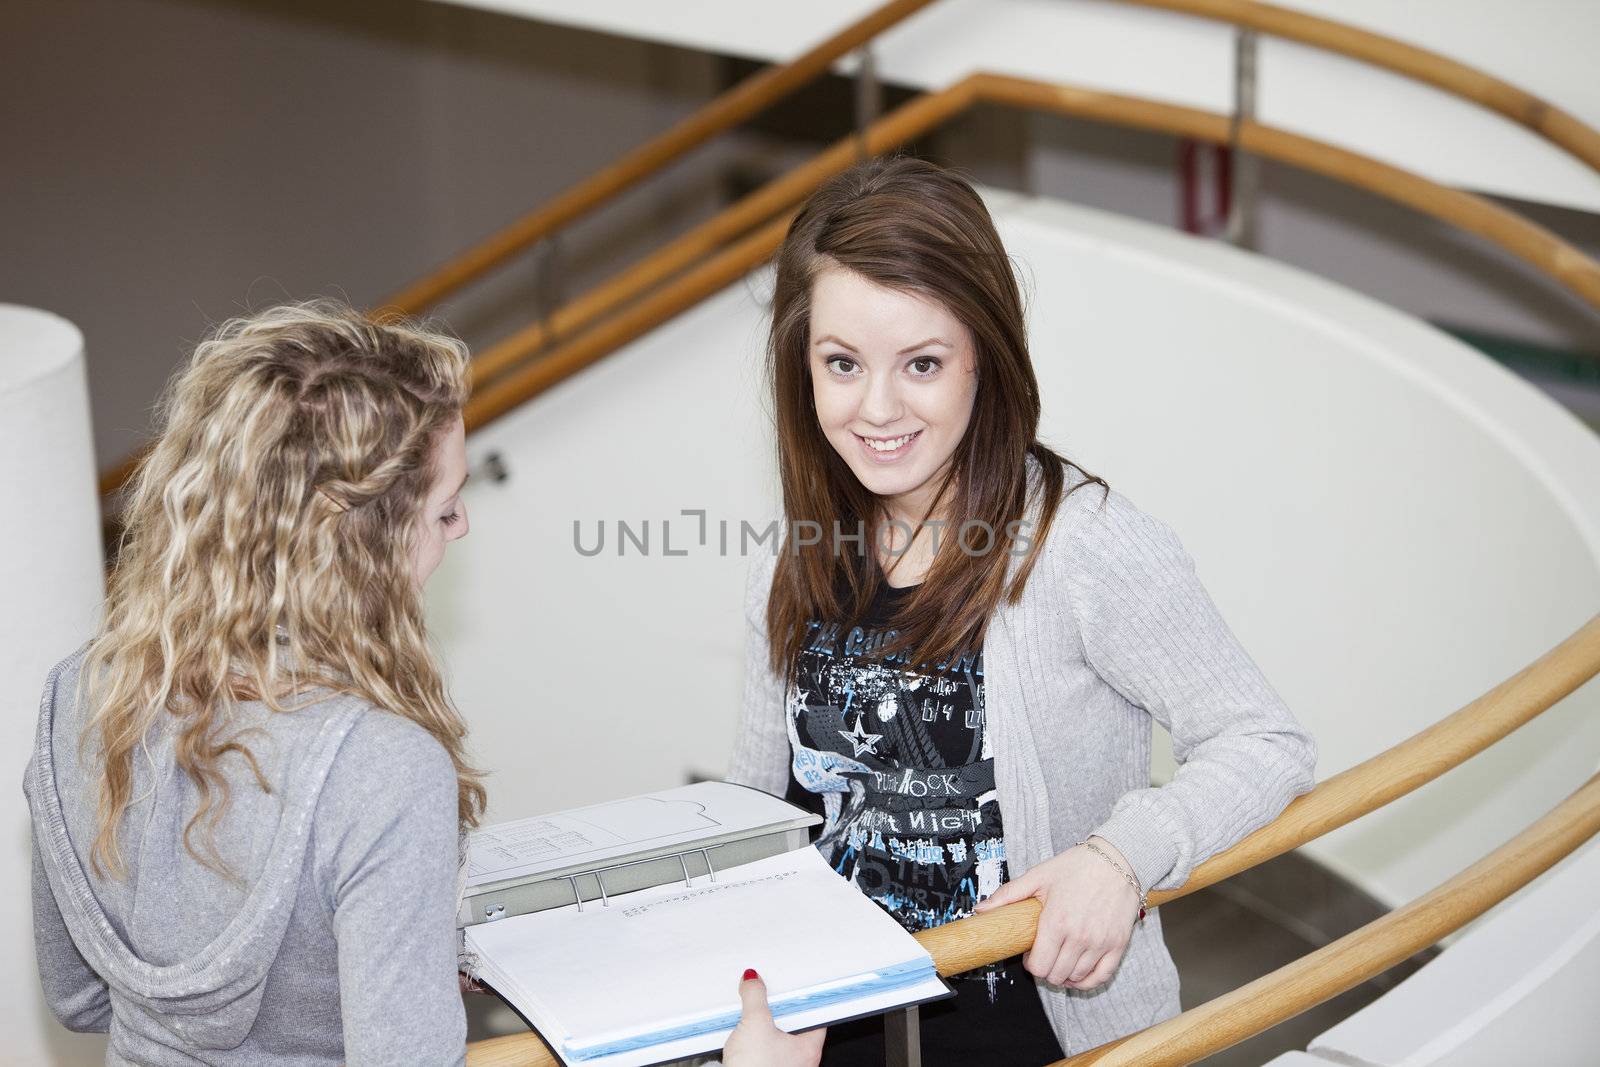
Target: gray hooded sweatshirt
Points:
(335, 942)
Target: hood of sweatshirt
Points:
(176, 940)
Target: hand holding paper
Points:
(757, 1041)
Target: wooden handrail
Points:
(532, 378)
(744, 100)
(493, 397)
(1359, 955)
(1000, 934)
(1542, 117)
(1530, 242)
(1348, 795)
(114, 478)
(1558, 126)
(512, 1050)
(922, 113)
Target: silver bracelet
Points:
(1144, 899)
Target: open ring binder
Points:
(596, 853)
(693, 885)
(688, 879)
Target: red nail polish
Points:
(750, 972)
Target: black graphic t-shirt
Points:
(901, 757)
(898, 756)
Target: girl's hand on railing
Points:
(1088, 916)
(757, 1041)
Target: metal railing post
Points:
(1245, 176)
(869, 97)
(902, 1038)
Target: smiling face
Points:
(444, 514)
(893, 377)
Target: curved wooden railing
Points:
(508, 377)
(769, 86)
(775, 83)
(927, 112)
(745, 100)
(749, 98)
(1314, 978)
(1456, 78)
(1352, 959)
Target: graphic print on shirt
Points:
(900, 756)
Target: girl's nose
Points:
(882, 405)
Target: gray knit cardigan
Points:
(1112, 631)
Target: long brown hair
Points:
(912, 226)
(280, 499)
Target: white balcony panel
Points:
(1517, 987)
(1542, 46)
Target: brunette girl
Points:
(965, 664)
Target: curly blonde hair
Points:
(268, 550)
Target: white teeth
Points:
(889, 445)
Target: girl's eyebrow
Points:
(903, 351)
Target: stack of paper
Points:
(654, 976)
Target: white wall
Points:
(50, 572)
(1391, 522)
